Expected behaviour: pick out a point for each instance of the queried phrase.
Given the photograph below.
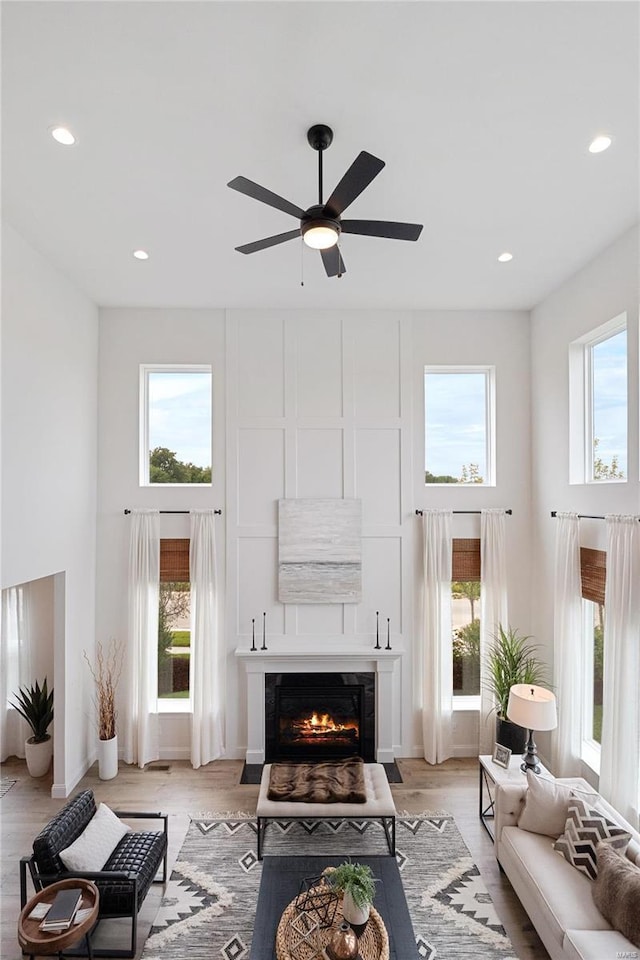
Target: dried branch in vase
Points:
(106, 674)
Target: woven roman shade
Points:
(174, 561)
(465, 559)
(593, 573)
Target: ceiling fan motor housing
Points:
(316, 217)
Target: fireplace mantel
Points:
(293, 659)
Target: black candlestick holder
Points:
(253, 635)
(377, 646)
(264, 632)
(388, 646)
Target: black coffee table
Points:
(280, 883)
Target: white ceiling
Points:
(482, 112)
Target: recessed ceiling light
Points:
(505, 257)
(63, 136)
(141, 254)
(599, 144)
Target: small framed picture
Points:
(501, 755)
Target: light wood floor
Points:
(173, 787)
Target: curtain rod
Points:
(585, 516)
(218, 512)
(420, 513)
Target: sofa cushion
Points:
(596, 945)
(616, 892)
(584, 828)
(91, 850)
(138, 854)
(555, 896)
(545, 806)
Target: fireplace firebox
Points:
(319, 716)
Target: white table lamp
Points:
(533, 708)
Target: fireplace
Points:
(319, 716)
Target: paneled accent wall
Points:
(318, 405)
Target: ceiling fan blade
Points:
(254, 190)
(382, 228)
(359, 175)
(268, 242)
(333, 262)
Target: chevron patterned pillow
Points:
(582, 831)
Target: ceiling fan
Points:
(321, 224)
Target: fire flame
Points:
(323, 723)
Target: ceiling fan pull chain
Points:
(301, 262)
(339, 261)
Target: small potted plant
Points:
(106, 674)
(35, 704)
(358, 887)
(511, 659)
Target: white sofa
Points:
(556, 896)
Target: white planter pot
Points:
(108, 758)
(38, 756)
(352, 913)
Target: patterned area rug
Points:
(208, 909)
(5, 786)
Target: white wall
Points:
(49, 421)
(603, 289)
(312, 404)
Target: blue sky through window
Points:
(609, 398)
(455, 422)
(180, 415)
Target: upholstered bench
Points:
(379, 805)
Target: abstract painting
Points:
(320, 551)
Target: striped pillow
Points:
(582, 831)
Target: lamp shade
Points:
(532, 707)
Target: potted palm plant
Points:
(106, 674)
(35, 704)
(358, 887)
(511, 659)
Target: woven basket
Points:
(373, 944)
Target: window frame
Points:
(489, 371)
(181, 704)
(466, 702)
(590, 749)
(581, 401)
(143, 454)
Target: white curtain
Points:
(437, 659)
(140, 676)
(15, 670)
(493, 610)
(620, 753)
(568, 646)
(207, 646)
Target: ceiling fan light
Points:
(320, 236)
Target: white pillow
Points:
(96, 843)
(546, 806)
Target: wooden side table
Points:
(492, 773)
(38, 943)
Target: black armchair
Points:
(125, 878)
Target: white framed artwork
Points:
(319, 551)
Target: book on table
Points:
(63, 910)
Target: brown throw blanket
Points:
(331, 781)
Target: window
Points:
(174, 626)
(175, 429)
(465, 617)
(459, 425)
(598, 373)
(593, 570)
